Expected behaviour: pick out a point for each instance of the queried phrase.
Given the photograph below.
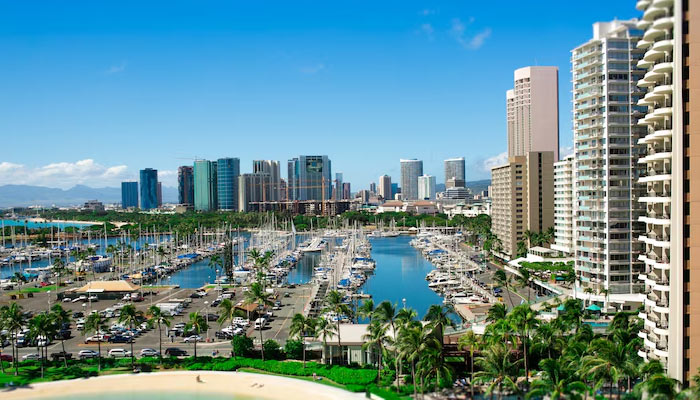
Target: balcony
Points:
(651, 13)
(663, 23)
(662, 46)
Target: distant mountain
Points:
(478, 186)
(26, 195)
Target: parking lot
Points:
(277, 328)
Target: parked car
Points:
(119, 353)
(31, 356)
(61, 355)
(149, 353)
(6, 357)
(120, 339)
(78, 314)
(212, 317)
(96, 338)
(86, 354)
(175, 352)
(193, 338)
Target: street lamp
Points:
(48, 293)
(404, 302)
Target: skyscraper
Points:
(454, 169)
(346, 191)
(564, 205)
(671, 241)
(385, 187)
(272, 169)
(205, 185)
(227, 171)
(313, 175)
(532, 110)
(252, 188)
(373, 187)
(130, 194)
(293, 179)
(426, 187)
(185, 185)
(522, 198)
(160, 194)
(605, 173)
(410, 171)
(149, 188)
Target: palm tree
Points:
(215, 262)
(95, 324)
(58, 267)
(439, 318)
(325, 330)
(158, 317)
(60, 316)
(375, 339)
(131, 317)
(257, 295)
(432, 363)
(386, 314)
(470, 340)
(523, 281)
(196, 324)
(548, 339)
(412, 340)
(557, 381)
(13, 321)
(529, 236)
(658, 387)
(301, 327)
(334, 303)
(366, 309)
(41, 328)
(497, 369)
(502, 279)
(497, 312)
(524, 321)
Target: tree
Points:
(301, 327)
(41, 329)
(158, 317)
(228, 312)
(386, 314)
(196, 324)
(524, 321)
(496, 312)
(375, 339)
(131, 317)
(503, 280)
(335, 303)
(521, 250)
(257, 295)
(497, 369)
(58, 267)
(658, 387)
(523, 281)
(60, 316)
(95, 324)
(13, 320)
(412, 340)
(438, 316)
(366, 309)
(242, 345)
(215, 263)
(432, 363)
(557, 381)
(470, 340)
(325, 330)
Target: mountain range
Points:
(26, 195)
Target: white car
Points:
(119, 353)
(149, 353)
(92, 298)
(31, 356)
(85, 354)
(66, 300)
(191, 339)
(240, 321)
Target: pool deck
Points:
(235, 383)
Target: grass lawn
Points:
(34, 290)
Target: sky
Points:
(93, 91)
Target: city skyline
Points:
(458, 42)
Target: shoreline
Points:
(246, 384)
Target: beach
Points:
(247, 385)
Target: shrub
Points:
(294, 349)
(272, 350)
(242, 346)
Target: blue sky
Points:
(93, 91)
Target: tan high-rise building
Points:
(522, 198)
(385, 187)
(671, 240)
(532, 111)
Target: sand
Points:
(235, 383)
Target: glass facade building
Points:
(205, 185)
(227, 172)
(410, 171)
(149, 188)
(130, 194)
(185, 185)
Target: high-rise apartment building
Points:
(532, 111)
(606, 151)
(373, 187)
(671, 238)
(522, 198)
(227, 172)
(185, 185)
(159, 194)
(252, 188)
(564, 206)
(346, 190)
(385, 187)
(426, 187)
(205, 185)
(310, 177)
(410, 171)
(272, 169)
(454, 169)
(130, 194)
(148, 182)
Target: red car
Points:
(44, 284)
(5, 357)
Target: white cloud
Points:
(565, 151)
(64, 174)
(115, 69)
(312, 69)
(495, 161)
(428, 30)
(459, 32)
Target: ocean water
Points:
(34, 225)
